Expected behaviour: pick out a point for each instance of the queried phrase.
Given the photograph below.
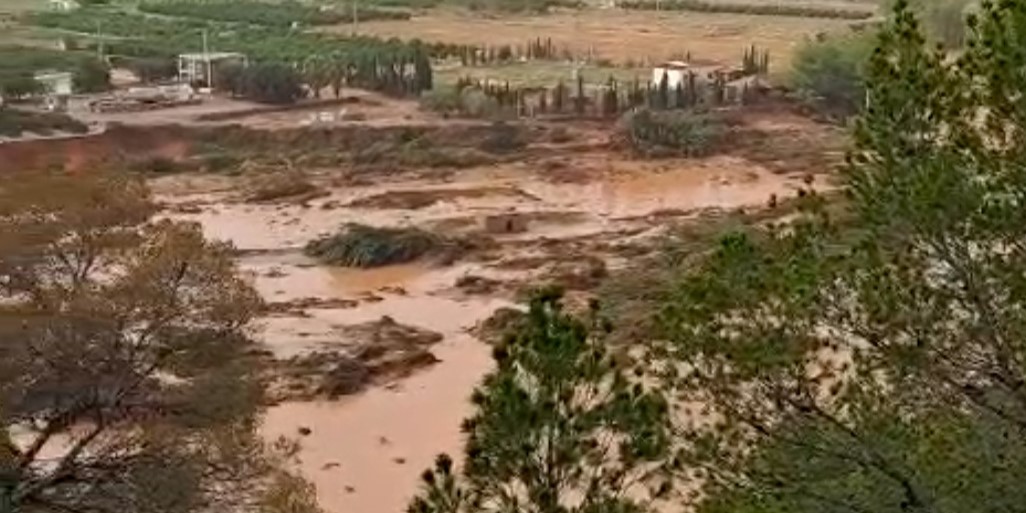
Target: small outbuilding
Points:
(676, 73)
(199, 68)
(63, 5)
(511, 222)
(57, 83)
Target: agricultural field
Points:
(19, 6)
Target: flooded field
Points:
(365, 451)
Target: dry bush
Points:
(277, 186)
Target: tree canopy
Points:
(874, 360)
(123, 381)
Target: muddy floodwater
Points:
(365, 452)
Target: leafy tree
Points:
(558, 428)
(122, 376)
(270, 83)
(874, 360)
(829, 72)
(91, 76)
(19, 86)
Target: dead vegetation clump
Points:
(359, 245)
(417, 153)
(494, 329)
(423, 198)
(299, 306)
(385, 350)
(503, 137)
(290, 186)
(583, 273)
(473, 284)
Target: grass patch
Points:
(359, 245)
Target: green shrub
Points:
(269, 83)
(91, 76)
(442, 99)
(155, 165)
(218, 162)
(358, 245)
(828, 72)
(668, 133)
(470, 102)
(19, 86)
(476, 104)
(14, 122)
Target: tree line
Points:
(609, 98)
(390, 66)
(285, 14)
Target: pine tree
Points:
(868, 357)
(558, 427)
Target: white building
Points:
(63, 5)
(57, 83)
(676, 73)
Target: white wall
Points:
(674, 76)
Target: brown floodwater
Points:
(365, 452)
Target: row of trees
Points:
(866, 357)
(403, 75)
(473, 55)
(18, 66)
(604, 99)
(284, 14)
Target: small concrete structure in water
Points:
(510, 222)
